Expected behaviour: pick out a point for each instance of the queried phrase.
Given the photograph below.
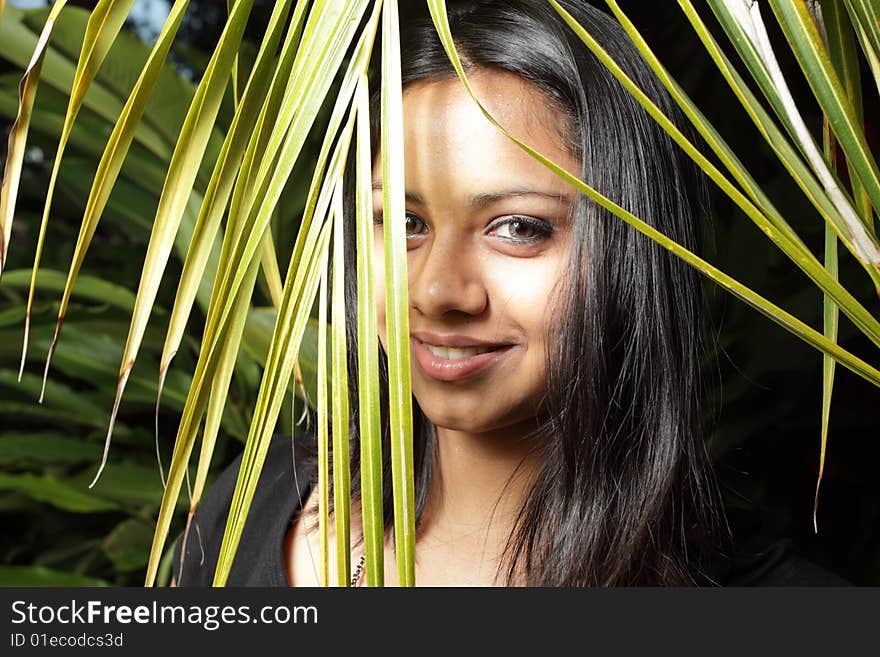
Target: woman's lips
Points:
(455, 363)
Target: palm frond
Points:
(227, 167)
(27, 91)
(101, 31)
(396, 298)
(325, 48)
(179, 181)
(762, 305)
(340, 410)
(368, 352)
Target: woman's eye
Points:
(415, 225)
(522, 229)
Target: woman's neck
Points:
(478, 485)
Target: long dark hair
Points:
(625, 494)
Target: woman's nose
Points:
(446, 278)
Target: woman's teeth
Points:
(452, 353)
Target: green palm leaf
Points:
(203, 240)
(113, 157)
(298, 297)
(18, 136)
(223, 177)
(396, 299)
(834, 203)
(760, 209)
(323, 432)
(103, 26)
(326, 37)
(107, 93)
(810, 49)
(765, 307)
(865, 15)
(178, 185)
(92, 288)
(341, 466)
(368, 352)
(845, 57)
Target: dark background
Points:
(763, 407)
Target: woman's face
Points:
(487, 238)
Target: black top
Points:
(282, 489)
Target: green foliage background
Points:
(58, 532)
(763, 386)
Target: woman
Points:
(555, 350)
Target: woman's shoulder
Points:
(284, 484)
(765, 558)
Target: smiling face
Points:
(488, 232)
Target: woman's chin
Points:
(473, 422)
(458, 421)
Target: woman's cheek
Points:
(524, 288)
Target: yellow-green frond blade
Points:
(27, 91)
(812, 54)
(299, 293)
(235, 96)
(326, 38)
(101, 31)
(306, 238)
(270, 269)
(220, 186)
(105, 97)
(113, 157)
(216, 403)
(759, 209)
(829, 198)
(221, 381)
(397, 298)
(182, 171)
(865, 16)
(368, 352)
(328, 32)
(830, 317)
(777, 229)
(255, 450)
(341, 465)
(845, 57)
(323, 432)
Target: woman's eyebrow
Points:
(412, 197)
(488, 198)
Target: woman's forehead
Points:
(450, 145)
